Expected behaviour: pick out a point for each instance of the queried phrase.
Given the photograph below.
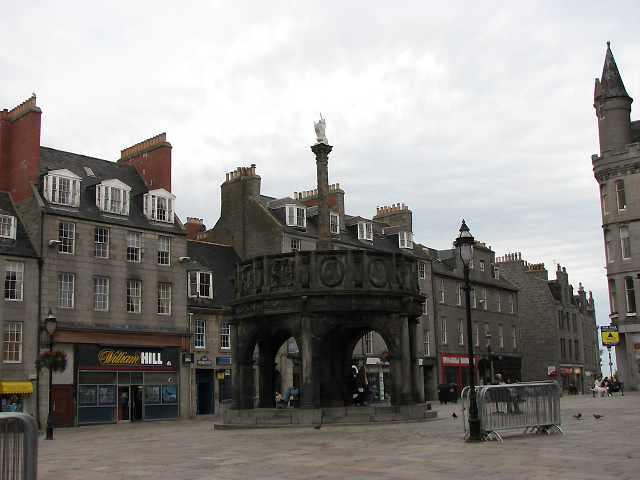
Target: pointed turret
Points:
(613, 107)
(611, 79)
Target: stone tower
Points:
(617, 170)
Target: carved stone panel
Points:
(281, 273)
(378, 273)
(331, 271)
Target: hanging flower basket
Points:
(55, 361)
(384, 356)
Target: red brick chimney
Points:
(152, 158)
(20, 148)
(194, 226)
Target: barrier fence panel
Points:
(18, 447)
(533, 406)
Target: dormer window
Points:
(334, 223)
(200, 284)
(365, 231)
(62, 187)
(296, 216)
(404, 240)
(8, 226)
(112, 196)
(158, 205)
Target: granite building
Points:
(109, 246)
(19, 316)
(616, 170)
(495, 317)
(558, 331)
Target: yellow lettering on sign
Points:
(109, 356)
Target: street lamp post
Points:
(465, 243)
(50, 324)
(488, 337)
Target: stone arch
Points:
(326, 313)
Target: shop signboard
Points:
(610, 335)
(118, 357)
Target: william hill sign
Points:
(126, 357)
(109, 356)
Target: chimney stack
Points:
(152, 158)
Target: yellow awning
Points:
(16, 387)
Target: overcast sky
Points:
(474, 110)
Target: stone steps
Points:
(265, 417)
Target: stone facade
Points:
(558, 328)
(616, 170)
(110, 251)
(19, 316)
(493, 311)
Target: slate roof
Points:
(219, 259)
(611, 79)
(635, 131)
(21, 246)
(385, 238)
(51, 159)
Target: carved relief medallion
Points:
(331, 272)
(378, 275)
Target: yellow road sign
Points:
(610, 336)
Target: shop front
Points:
(15, 396)
(455, 369)
(122, 383)
(572, 379)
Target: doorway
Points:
(124, 404)
(62, 400)
(136, 407)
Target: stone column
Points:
(309, 388)
(418, 389)
(236, 377)
(322, 151)
(406, 391)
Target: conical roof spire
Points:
(611, 79)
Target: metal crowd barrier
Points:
(533, 406)
(18, 447)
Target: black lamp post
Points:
(488, 337)
(50, 324)
(465, 243)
